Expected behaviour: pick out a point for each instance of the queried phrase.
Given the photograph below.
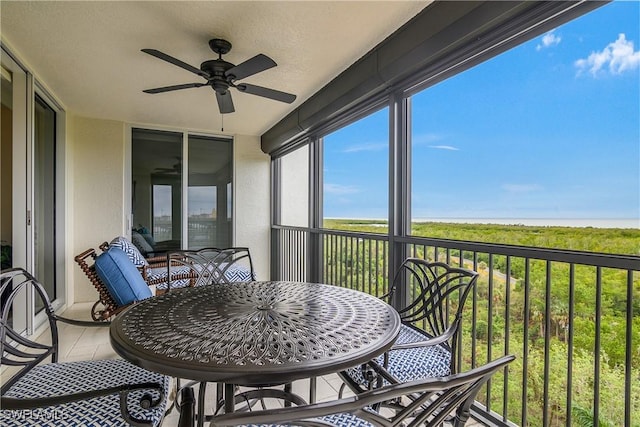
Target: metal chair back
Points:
(16, 349)
(435, 297)
(426, 402)
(210, 266)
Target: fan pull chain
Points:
(222, 126)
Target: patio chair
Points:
(426, 402)
(119, 283)
(184, 269)
(427, 343)
(95, 392)
(203, 266)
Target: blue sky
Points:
(550, 129)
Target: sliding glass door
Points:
(28, 188)
(44, 200)
(176, 176)
(13, 181)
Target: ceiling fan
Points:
(222, 75)
(175, 169)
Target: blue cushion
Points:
(122, 278)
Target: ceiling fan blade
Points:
(175, 61)
(174, 87)
(267, 93)
(225, 103)
(250, 67)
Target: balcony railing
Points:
(574, 361)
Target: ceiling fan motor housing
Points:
(216, 68)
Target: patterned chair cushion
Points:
(345, 420)
(130, 249)
(158, 275)
(414, 363)
(235, 273)
(63, 378)
(121, 277)
(338, 420)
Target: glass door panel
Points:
(156, 168)
(13, 182)
(44, 214)
(209, 192)
(6, 170)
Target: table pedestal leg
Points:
(229, 390)
(312, 389)
(187, 409)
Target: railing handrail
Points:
(363, 235)
(596, 259)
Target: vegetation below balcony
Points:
(554, 313)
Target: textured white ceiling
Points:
(88, 53)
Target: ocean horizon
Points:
(633, 223)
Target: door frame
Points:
(25, 87)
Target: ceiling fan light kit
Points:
(222, 75)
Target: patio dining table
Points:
(255, 334)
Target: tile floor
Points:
(77, 343)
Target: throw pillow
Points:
(140, 242)
(129, 248)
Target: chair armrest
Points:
(81, 323)
(146, 401)
(287, 414)
(425, 343)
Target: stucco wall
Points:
(97, 194)
(98, 189)
(251, 178)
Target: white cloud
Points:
(521, 188)
(340, 189)
(619, 56)
(373, 146)
(425, 139)
(444, 147)
(549, 40)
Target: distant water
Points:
(561, 222)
